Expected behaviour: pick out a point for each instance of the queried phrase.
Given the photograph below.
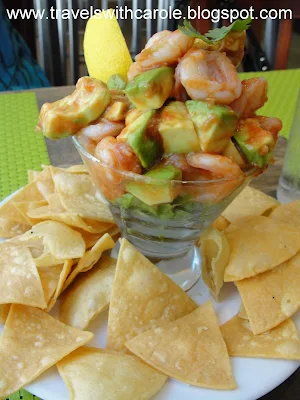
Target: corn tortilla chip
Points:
(220, 223)
(89, 295)
(249, 203)
(19, 278)
(116, 376)
(242, 313)
(91, 257)
(11, 229)
(142, 298)
(272, 297)
(44, 182)
(32, 175)
(215, 255)
(281, 342)
(190, 349)
(4, 310)
(78, 169)
(31, 343)
(79, 195)
(59, 239)
(258, 245)
(289, 212)
(26, 207)
(49, 278)
(59, 288)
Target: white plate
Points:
(255, 377)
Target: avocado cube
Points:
(157, 192)
(116, 112)
(117, 82)
(67, 116)
(232, 152)
(135, 135)
(215, 124)
(149, 90)
(177, 129)
(254, 142)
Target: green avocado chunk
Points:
(232, 152)
(177, 129)
(157, 192)
(215, 124)
(67, 116)
(117, 82)
(135, 134)
(149, 90)
(255, 143)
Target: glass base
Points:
(185, 271)
(288, 190)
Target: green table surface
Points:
(22, 149)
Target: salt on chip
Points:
(215, 255)
(31, 343)
(249, 203)
(10, 228)
(272, 297)
(142, 298)
(258, 245)
(78, 194)
(66, 269)
(281, 342)
(59, 240)
(190, 349)
(98, 374)
(19, 278)
(91, 257)
(89, 295)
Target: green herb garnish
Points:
(217, 34)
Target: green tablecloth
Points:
(22, 149)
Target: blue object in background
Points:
(18, 69)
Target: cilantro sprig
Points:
(217, 34)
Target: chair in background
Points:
(60, 42)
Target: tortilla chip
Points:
(4, 310)
(32, 175)
(242, 313)
(50, 277)
(289, 212)
(66, 269)
(72, 219)
(26, 207)
(281, 342)
(89, 295)
(59, 240)
(272, 297)
(215, 255)
(79, 195)
(249, 203)
(190, 349)
(44, 182)
(220, 223)
(116, 376)
(11, 229)
(258, 245)
(19, 279)
(91, 257)
(78, 169)
(142, 298)
(31, 343)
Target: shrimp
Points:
(119, 157)
(163, 49)
(273, 125)
(219, 167)
(189, 173)
(208, 75)
(101, 129)
(254, 96)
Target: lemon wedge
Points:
(105, 49)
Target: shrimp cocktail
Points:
(171, 144)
